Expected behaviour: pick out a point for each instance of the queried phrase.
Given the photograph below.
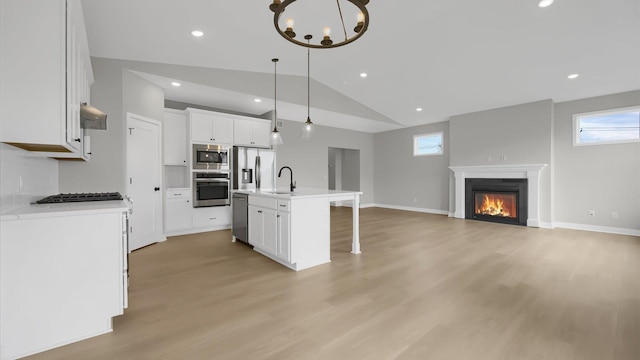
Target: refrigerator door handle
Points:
(257, 171)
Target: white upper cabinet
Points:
(46, 73)
(250, 132)
(210, 128)
(175, 137)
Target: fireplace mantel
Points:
(531, 172)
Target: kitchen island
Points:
(63, 273)
(293, 228)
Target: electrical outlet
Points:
(592, 213)
(20, 184)
(415, 200)
(614, 215)
(504, 157)
(490, 158)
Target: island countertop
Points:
(303, 193)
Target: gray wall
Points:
(309, 158)
(350, 169)
(522, 133)
(404, 180)
(115, 91)
(603, 178)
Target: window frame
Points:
(435, 133)
(576, 127)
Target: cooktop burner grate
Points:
(80, 197)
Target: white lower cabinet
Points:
(210, 217)
(269, 228)
(178, 208)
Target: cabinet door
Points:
(175, 138)
(284, 236)
(270, 240)
(177, 214)
(243, 132)
(201, 128)
(262, 133)
(222, 130)
(256, 226)
(74, 81)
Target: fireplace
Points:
(496, 200)
(529, 172)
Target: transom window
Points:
(607, 127)
(427, 144)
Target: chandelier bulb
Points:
(360, 17)
(327, 31)
(290, 23)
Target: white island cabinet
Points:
(294, 228)
(63, 274)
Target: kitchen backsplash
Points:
(25, 177)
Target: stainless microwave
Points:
(210, 157)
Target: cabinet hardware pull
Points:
(259, 211)
(212, 218)
(178, 194)
(156, 189)
(283, 205)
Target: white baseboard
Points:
(596, 228)
(408, 208)
(196, 230)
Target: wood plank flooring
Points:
(425, 287)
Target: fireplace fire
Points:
(497, 200)
(494, 204)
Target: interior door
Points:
(144, 180)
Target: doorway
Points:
(144, 180)
(344, 171)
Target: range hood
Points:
(92, 118)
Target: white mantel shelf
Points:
(531, 172)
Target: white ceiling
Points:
(447, 57)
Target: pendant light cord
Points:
(308, 83)
(275, 95)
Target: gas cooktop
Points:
(80, 197)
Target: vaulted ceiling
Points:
(446, 57)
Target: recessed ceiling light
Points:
(197, 33)
(418, 109)
(545, 3)
(175, 83)
(257, 100)
(573, 76)
(363, 75)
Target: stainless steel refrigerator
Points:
(253, 168)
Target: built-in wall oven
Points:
(211, 189)
(210, 157)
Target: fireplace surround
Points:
(531, 172)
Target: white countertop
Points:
(303, 193)
(65, 209)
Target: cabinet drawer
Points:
(178, 193)
(211, 216)
(263, 202)
(283, 205)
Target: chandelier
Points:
(362, 23)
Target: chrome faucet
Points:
(292, 185)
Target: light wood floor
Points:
(425, 287)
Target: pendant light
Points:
(308, 125)
(276, 139)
